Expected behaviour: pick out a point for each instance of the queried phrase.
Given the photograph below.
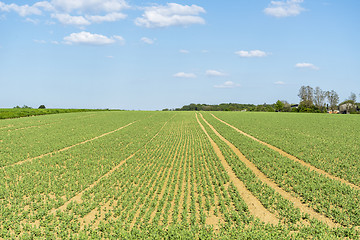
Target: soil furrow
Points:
(211, 218)
(67, 148)
(283, 153)
(254, 205)
(297, 202)
(77, 198)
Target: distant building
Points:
(294, 106)
(346, 108)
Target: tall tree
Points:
(306, 95)
(279, 105)
(287, 106)
(319, 98)
(333, 99)
(352, 97)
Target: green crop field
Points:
(27, 112)
(180, 175)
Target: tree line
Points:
(318, 100)
(311, 100)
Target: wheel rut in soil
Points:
(254, 205)
(77, 197)
(66, 148)
(297, 202)
(283, 153)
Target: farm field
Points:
(329, 142)
(138, 175)
(26, 112)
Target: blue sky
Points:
(148, 55)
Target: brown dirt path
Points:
(297, 202)
(11, 130)
(283, 153)
(8, 126)
(66, 148)
(77, 197)
(254, 205)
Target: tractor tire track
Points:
(77, 197)
(297, 202)
(291, 157)
(254, 205)
(66, 148)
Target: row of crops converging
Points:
(112, 175)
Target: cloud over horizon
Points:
(184, 51)
(279, 83)
(228, 84)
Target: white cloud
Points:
(284, 8)
(40, 41)
(120, 39)
(86, 11)
(279, 83)
(91, 39)
(111, 17)
(228, 84)
(47, 6)
(87, 6)
(184, 51)
(184, 75)
(66, 19)
(172, 14)
(253, 53)
(306, 65)
(24, 10)
(214, 73)
(33, 21)
(147, 40)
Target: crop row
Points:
(31, 142)
(328, 142)
(301, 225)
(29, 191)
(157, 178)
(329, 197)
(173, 182)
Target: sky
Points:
(150, 55)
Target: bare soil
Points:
(254, 205)
(77, 198)
(283, 153)
(66, 148)
(297, 202)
